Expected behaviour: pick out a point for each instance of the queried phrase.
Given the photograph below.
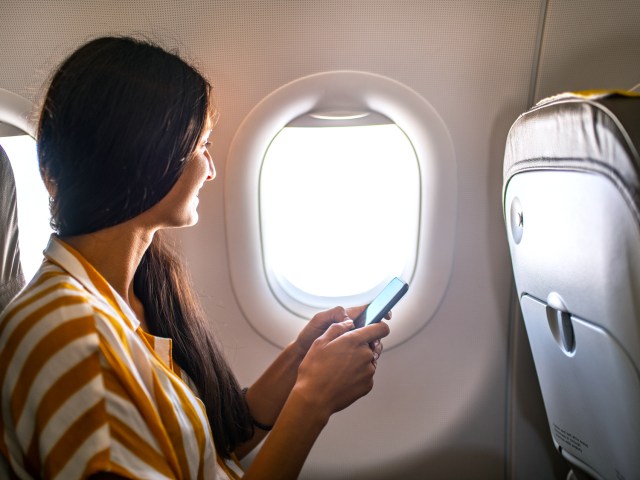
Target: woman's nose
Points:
(212, 167)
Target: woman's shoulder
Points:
(50, 291)
(52, 311)
(45, 331)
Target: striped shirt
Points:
(85, 390)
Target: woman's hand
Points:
(337, 369)
(268, 394)
(319, 324)
(339, 366)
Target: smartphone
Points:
(382, 304)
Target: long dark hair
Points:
(119, 121)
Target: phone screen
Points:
(381, 305)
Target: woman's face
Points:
(179, 207)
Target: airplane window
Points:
(33, 201)
(339, 208)
(335, 183)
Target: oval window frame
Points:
(354, 91)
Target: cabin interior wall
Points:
(438, 407)
(592, 45)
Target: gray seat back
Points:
(571, 202)
(11, 277)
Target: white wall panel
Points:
(589, 45)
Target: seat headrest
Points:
(11, 277)
(593, 131)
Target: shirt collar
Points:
(71, 261)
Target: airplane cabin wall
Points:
(459, 399)
(589, 45)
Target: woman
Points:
(105, 355)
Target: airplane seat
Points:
(571, 200)
(11, 276)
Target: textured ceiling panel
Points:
(459, 50)
(590, 45)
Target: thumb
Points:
(337, 329)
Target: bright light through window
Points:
(339, 208)
(33, 201)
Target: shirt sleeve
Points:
(68, 410)
(139, 443)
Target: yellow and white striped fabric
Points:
(85, 390)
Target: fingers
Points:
(376, 346)
(355, 311)
(338, 329)
(372, 332)
(376, 349)
(337, 314)
(327, 317)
